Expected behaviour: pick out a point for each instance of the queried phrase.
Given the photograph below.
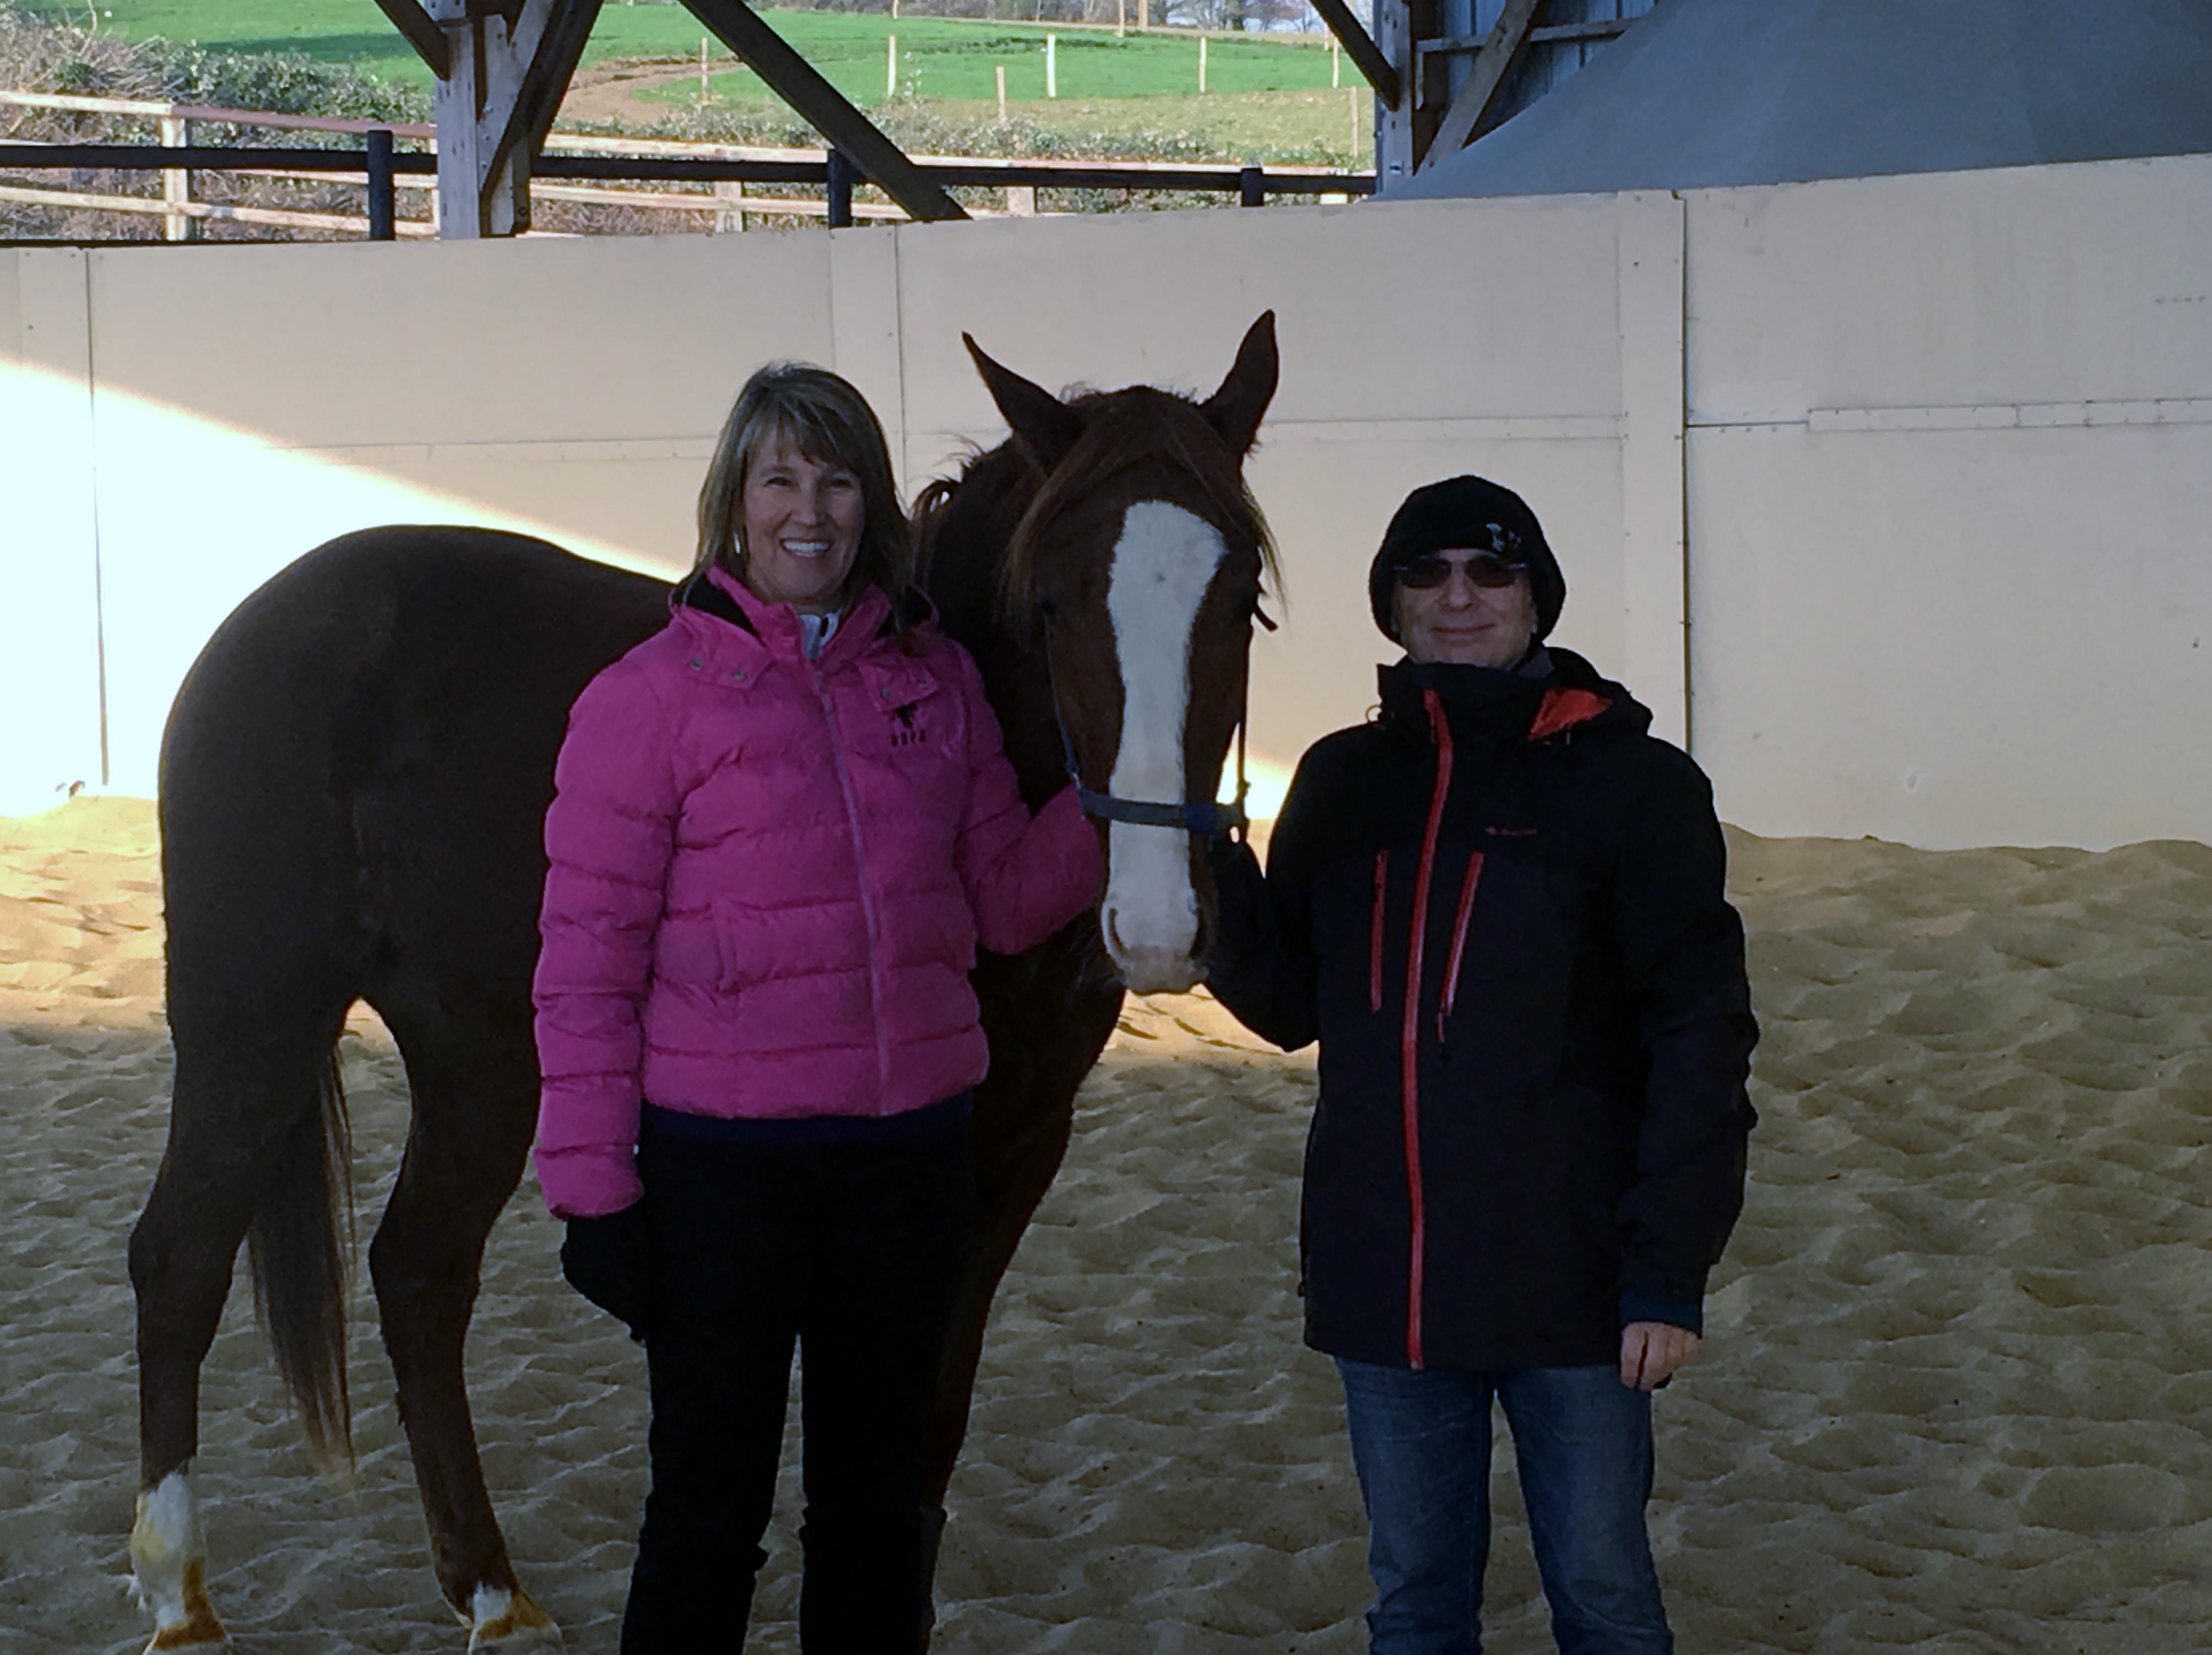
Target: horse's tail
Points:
(301, 1246)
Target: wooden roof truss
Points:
(1419, 119)
(504, 65)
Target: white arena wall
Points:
(1890, 495)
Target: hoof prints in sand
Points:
(1954, 1398)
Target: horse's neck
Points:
(967, 553)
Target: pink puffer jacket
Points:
(769, 878)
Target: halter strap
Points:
(1206, 818)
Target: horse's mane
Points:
(1123, 430)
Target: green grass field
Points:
(1266, 99)
(938, 58)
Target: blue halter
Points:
(1204, 818)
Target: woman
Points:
(781, 830)
(1499, 908)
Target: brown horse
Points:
(353, 782)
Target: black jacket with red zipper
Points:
(1533, 1115)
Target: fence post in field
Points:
(891, 67)
(732, 216)
(382, 205)
(1052, 65)
(1002, 94)
(1335, 63)
(1202, 63)
(176, 182)
(702, 68)
(1121, 18)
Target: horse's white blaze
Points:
(169, 1559)
(1163, 564)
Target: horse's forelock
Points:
(1141, 428)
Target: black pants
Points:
(851, 1251)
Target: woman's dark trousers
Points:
(850, 1251)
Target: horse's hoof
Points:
(169, 1562)
(203, 1632)
(508, 1623)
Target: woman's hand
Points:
(609, 1260)
(1651, 1351)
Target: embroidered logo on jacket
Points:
(908, 732)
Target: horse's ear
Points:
(1237, 409)
(1043, 426)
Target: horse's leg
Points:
(239, 1099)
(1048, 1023)
(475, 1084)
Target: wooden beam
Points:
(1366, 57)
(1469, 110)
(1603, 29)
(824, 108)
(560, 49)
(425, 36)
(1402, 132)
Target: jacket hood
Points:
(1511, 705)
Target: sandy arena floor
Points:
(1955, 1398)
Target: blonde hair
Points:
(823, 416)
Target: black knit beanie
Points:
(1477, 514)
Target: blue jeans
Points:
(1420, 1442)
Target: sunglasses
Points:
(1483, 568)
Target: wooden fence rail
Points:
(725, 168)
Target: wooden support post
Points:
(1404, 120)
(1021, 200)
(1144, 16)
(509, 64)
(1472, 113)
(177, 183)
(1121, 19)
(1052, 66)
(824, 108)
(838, 189)
(1202, 63)
(890, 68)
(1002, 94)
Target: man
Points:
(1499, 908)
